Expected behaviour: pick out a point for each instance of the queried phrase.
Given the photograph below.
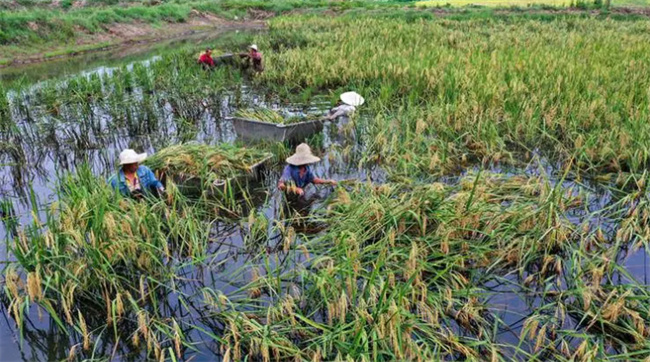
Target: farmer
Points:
(206, 59)
(298, 172)
(134, 179)
(253, 56)
(346, 105)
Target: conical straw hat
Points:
(129, 156)
(352, 99)
(303, 156)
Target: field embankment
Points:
(33, 31)
(30, 34)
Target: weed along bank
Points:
(398, 181)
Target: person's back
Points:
(257, 60)
(206, 59)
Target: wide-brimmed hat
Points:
(129, 156)
(303, 156)
(254, 47)
(352, 99)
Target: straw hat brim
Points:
(301, 160)
(137, 158)
(352, 99)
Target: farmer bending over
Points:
(206, 59)
(253, 56)
(297, 171)
(346, 105)
(133, 179)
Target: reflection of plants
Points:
(8, 217)
(257, 228)
(186, 129)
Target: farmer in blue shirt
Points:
(297, 171)
(134, 179)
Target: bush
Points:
(65, 4)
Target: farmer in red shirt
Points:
(206, 59)
(255, 57)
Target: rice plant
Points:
(515, 198)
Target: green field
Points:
(527, 3)
(519, 3)
(510, 219)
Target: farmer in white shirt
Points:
(346, 106)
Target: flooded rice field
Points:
(502, 237)
(42, 144)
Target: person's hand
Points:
(300, 191)
(333, 182)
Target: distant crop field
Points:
(494, 2)
(523, 3)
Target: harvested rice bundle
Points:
(271, 116)
(210, 163)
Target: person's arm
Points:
(118, 186)
(311, 178)
(286, 176)
(320, 181)
(112, 181)
(153, 181)
(336, 112)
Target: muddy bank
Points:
(122, 37)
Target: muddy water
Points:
(27, 180)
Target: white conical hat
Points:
(352, 99)
(253, 46)
(303, 156)
(129, 156)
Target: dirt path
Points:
(125, 36)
